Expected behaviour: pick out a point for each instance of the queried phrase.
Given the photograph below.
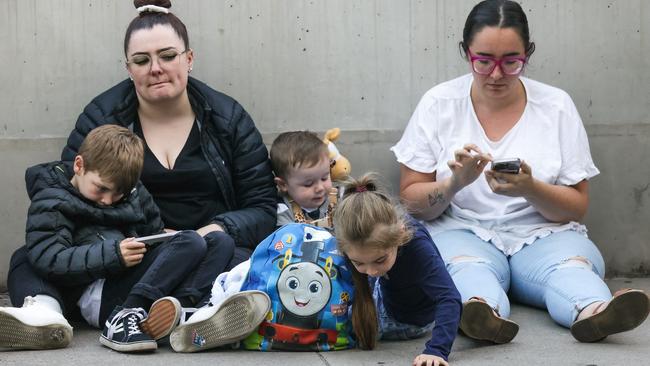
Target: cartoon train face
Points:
(304, 288)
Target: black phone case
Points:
(507, 166)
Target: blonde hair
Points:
(367, 217)
(296, 149)
(116, 154)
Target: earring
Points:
(189, 70)
(131, 77)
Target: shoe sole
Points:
(478, 321)
(235, 319)
(624, 312)
(144, 346)
(15, 334)
(162, 318)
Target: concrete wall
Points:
(359, 65)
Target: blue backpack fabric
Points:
(311, 291)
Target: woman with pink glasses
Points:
(498, 167)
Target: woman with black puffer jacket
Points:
(205, 163)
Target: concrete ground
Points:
(539, 342)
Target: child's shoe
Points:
(213, 326)
(33, 326)
(122, 331)
(625, 311)
(163, 317)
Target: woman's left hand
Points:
(429, 360)
(208, 229)
(508, 184)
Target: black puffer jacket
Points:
(71, 240)
(231, 144)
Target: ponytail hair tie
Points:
(361, 189)
(153, 9)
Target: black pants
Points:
(183, 267)
(240, 255)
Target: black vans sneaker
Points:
(122, 331)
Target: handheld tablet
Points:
(155, 239)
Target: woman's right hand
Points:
(426, 197)
(468, 164)
(132, 251)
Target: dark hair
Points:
(295, 149)
(496, 13)
(148, 19)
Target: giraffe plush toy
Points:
(339, 165)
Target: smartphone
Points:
(153, 240)
(510, 165)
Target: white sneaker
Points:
(213, 326)
(33, 326)
(186, 315)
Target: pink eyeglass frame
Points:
(497, 62)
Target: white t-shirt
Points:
(90, 302)
(549, 136)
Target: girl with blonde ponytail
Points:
(402, 289)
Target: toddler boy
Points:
(301, 165)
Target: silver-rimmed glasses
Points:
(144, 61)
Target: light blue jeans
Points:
(545, 274)
(389, 328)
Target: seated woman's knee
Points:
(220, 241)
(466, 259)
(18, 257)
(190, 243)
(576, 262)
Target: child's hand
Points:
(429, 360)
(132, 251)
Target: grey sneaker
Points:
(33, 326)
(213, 326)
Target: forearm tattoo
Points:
(435, 198)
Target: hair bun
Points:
(361, 189)
(369, 182)
(162, 3)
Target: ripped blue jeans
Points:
(562, 272)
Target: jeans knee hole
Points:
(576, 262)
(466, 259)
